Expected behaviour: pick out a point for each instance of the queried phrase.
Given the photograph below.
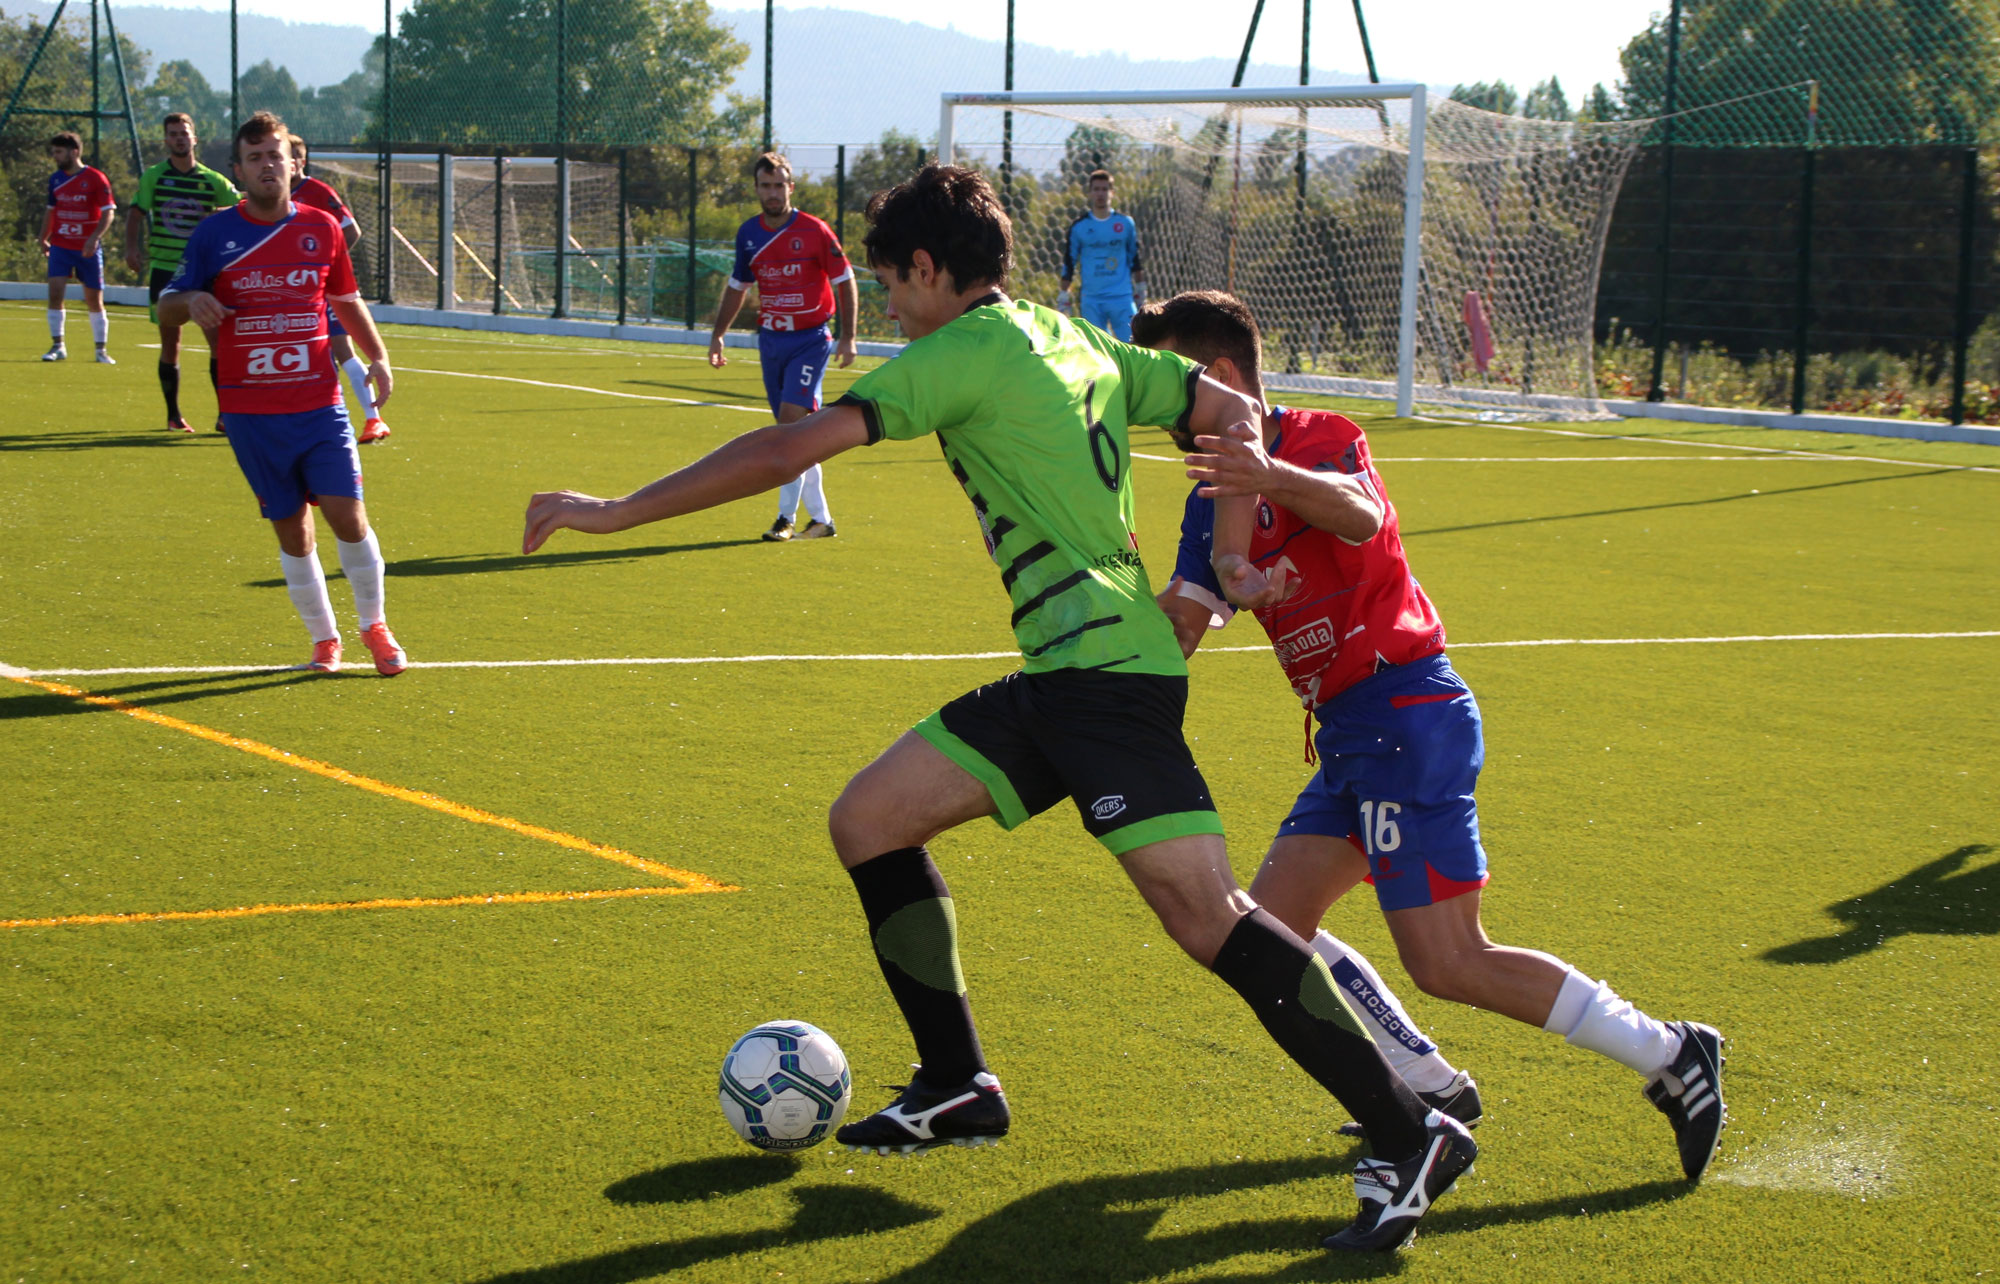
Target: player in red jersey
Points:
(259, 279)
(1399, 743)
(80, 209)
(799, 269)
(318, 194)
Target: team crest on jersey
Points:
(1267, 517)
(1118, 227)
(309, 243)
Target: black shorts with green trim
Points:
(156, 281)
(1111, 741)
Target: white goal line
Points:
(11, 671)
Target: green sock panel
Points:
(914, 929)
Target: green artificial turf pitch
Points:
(1792, 839)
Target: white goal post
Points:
(1391, 243)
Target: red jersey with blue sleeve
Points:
(273, 354)
(1357, 608)
(79, 204)
(794, 267)
(317, 194)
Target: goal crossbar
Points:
(1413, 187)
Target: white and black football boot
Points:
(1689, 1093)
(1395, 1197)
(1459, 1099)
(973, 1113)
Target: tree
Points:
(1498, 96)
(1889, 71)
(633, 71)
(1547, 101)
(1599, 105)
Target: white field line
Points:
(10, 671)
(602, 392)
(1767, 451)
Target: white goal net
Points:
(1473, 288)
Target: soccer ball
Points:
(785, 1086)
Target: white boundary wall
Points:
(1914, 429)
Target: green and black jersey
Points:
(1032, 411)
(174, 202)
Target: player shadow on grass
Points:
(821, 1213)
(1940, 898)
(1680, 503)
(154, 694)
(481, 563)
(1104, 1229)
(85, 440)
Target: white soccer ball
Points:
(785, 1086)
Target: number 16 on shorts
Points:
(1379, 831)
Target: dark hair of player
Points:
(180, 116)
(1096, 174)
(1203, 325)
(950, 213)
(262, 125)
(66, 139)
(772, 163)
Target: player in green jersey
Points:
(174, 195)
(1032, 411)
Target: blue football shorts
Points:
(794, 364)
(288, 459)
(1400, 752)
(66, 263)
(1112, 315)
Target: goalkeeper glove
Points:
(1139, 294)
(1062, 301)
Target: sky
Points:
(1440, 42)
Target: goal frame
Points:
(1413, 181)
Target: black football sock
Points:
(915, 933)
(1293, 994)
(170, 388)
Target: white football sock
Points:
(56, 324)
(1414, 1057)
(788, 497)
(306, 582)
(100, 327)
(361, 562)
(357, 379)
(815, 495)
(1591, 1015)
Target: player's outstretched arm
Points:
(1233, 463)
(749, 465)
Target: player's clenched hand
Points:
(715, 356)
(1248, 588)
(554, 510)
(383, 380)
(1234, 463)
(206, 311)
(844, 353)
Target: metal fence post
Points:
(840, 194)
(499, 229)
(1968, 227)
(1654, 390)
(1802, 296)
(447, 260)
(624, 196)
(694, 197)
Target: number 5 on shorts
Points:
(805, 376)
(1378, 826)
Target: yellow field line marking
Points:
(690, 882)
(321, 907)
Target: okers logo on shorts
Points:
(1108, 806)
(1302, 644)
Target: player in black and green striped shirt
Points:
(174, 195)
(1032, 411)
